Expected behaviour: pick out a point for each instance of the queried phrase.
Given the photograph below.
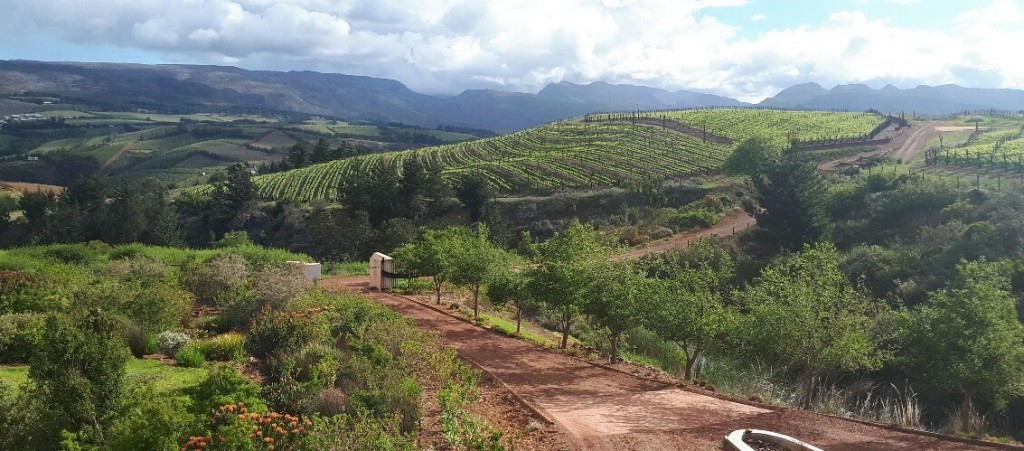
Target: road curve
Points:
(604, 409)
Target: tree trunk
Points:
(966, 410)
(808, 390)
(519, 317)
(437, 287)
(691, 361)
(476, 302)
(566, 323)
(614, 358)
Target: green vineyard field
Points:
(586, 152)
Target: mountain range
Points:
(188, 88)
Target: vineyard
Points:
(599, 150)
(994, 149)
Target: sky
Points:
(745, 49)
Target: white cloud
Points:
(450, 45)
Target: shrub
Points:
(140, 342)
(140, 268)
(152, 423)
(330, 402)
(289, 395)
(72, 254)
(212, 324)
(169, 343)
(191, 355)
(280, 331)
(19, 333)
(208, 280)
(690, 218)
(224, 386)
(277, 285)
(226, 347)
(318, 363)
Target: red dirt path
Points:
(604, 409)
(734, 223)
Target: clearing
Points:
(604, 409)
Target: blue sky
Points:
(748, 49)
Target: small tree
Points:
(619, 302)
(474, 192)
(691, 309)
(510, 287)
(566, 272)
(804, 312)
(433, 255)
(966, 338)
(475, 261)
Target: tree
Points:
(791, 193)
(376, 193)
(474, 192)
(751, 157)
(619, 302)
(506, 287)
(432, 255)
(321, 152)
(691, 310)
(966, 338)
(475, 261)
(298, 155)
(35, 206)
(568, 267)
(804, 312)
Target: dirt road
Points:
(734, 223)
(604, 409)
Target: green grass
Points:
(162, 378)
(508, 327)
(14, 376)
(347, 268)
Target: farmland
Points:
(588, 152)
(179, 148)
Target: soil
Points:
(23, 187)
(124, 149)
(604, 409)
(728, 226)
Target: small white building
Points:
(311, 271)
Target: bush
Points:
(19, 333)
(141, 268)
(318, 363)
(72, 254)
(140, 342)
(224, 348)
(277, 285)
(208, 280)
(191, 355)
(221, 387)
(279, 331)
(152, 422)
(690, 218)
(212, 324)
(169, 343)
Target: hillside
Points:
(929, 100)
(190, 88)
(598, 150)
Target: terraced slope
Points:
(589, 152)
